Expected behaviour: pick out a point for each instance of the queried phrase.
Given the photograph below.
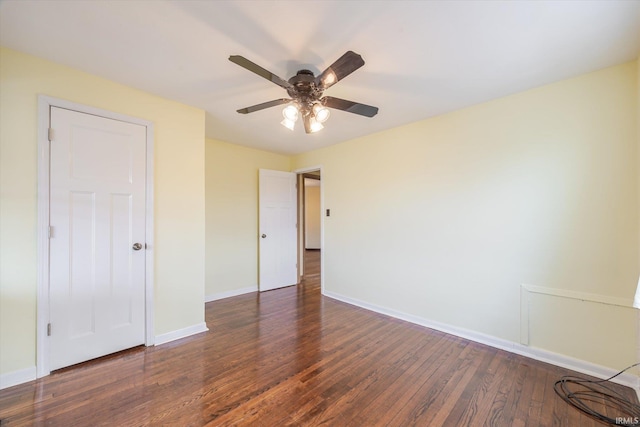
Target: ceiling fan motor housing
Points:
(304, 91)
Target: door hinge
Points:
(48, 329)
(51, 134)
(50, 231)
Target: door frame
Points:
(44, 107)
(322, 219)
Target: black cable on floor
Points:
(581, 392)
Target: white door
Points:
(278, 217)
(97, 218)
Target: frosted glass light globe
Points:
(290, 112)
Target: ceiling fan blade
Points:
(345, 65)
(264, 105)
(254, 68)
(350, 106)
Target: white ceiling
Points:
(422, 58)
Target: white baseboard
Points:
(229, 294)
(563, 361)
(181, 333)
(17, 377)
(29, 374)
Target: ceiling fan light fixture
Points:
(329, 78)
(315, 125)
(290, 112)
(289, 124)
(321, 113)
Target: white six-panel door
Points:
(277, 229)
(97, 215)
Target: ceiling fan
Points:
(305, 91)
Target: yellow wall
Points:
(313, 217)
(179, 196)
(538, 188)
(232, 214)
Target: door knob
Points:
(264, 235)
(137, 246)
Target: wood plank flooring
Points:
(293, 357)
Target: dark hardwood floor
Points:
(293, 357)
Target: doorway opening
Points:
(310, 225)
